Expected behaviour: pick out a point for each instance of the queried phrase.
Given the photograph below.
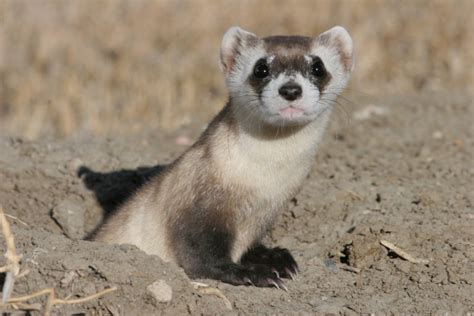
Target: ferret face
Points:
(285, 80)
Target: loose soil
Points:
(396, 168)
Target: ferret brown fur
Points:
(209, 209)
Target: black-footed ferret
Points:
(209, 210)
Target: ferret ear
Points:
(234, 41)
(339, 39)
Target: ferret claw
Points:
(248, 281)
(291, 274)
(279, 285)
(284, 288)
(275, 284)
(276, 273)
(296, 269)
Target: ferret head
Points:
(285, 80)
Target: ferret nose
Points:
(290, 91)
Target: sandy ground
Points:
(397, 168)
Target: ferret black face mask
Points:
(286, 80)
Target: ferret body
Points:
(209, 209)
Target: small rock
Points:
(161, 291)
(69, 277)
(330, 264)
(362, 251)
(437, 135)
(114, 310)
(370, 111)
(70, 218)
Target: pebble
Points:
(70, 218)
(161, 291)
(68, 278)
(369, 111)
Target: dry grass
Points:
(12, 271)
(109, 66)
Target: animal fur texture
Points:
(209, 209)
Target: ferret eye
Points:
(261, 69)
(318, 69)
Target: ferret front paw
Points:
(279, 260)
(253, 274)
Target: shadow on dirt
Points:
(112, 189)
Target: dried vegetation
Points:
(106, 67)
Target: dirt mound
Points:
(401, 171)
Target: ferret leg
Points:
(278, 259)
(205, 252)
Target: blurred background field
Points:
(110, 67)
